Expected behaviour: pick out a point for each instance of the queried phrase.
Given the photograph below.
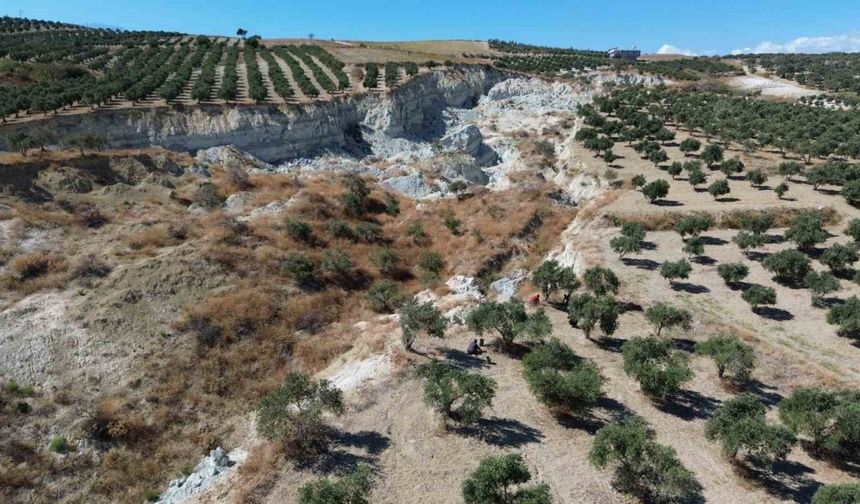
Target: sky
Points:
(690, 27)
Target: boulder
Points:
(507, 287)
(231, 157)
(203, 476)
(412, 186)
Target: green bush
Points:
(734, 359)
(458, 395)
(561, 380)
(339, 229)
(509, 321)
(59, 444)
(431, 262)
(386, 260)
(757, 223)
(353, 488)
(838, 493)
(500, 480)
(416, 317)
(299, 230)
(746, 240)
(694, 247)
(368, 231)
(740, 426)
(384, 295)
(416, 231)
(853, 230)
(642, 466)
(293, 413)
(300, 268)
(337, 262)
(658, 368)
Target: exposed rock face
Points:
(507, 287)
(412, 186)
(205, 473)
(272, 133)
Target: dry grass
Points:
(665, 221)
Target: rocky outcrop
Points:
(204, 475)
(273, 133)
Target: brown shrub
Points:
(37, 264)
(90, 267)
(157, 236)
(228, 317)
(114, 422)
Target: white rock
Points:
(507, 287)
(465, 285)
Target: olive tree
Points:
(293, 413)
(852, 230)
(656, 190)
(788, 266)
(509, 321)
(418, 317)
(837, 493)
(384, 295)
(586, 312)
(719, 188)
(551, 277)
(674, 270)
(828, 418)
(734, 358)
(693, 225)
(501, 480)
(846, 316)
(561, 380)
(712, 154)
(790, 169)
(689, 146)
(665, 316)
(758, 295)
(740, 427)
(733, 273)
(807, 230)
(659, 369)
(820, 284)
(756, 178)
(839, 258)
(457, 394)
(601, 281)
(642, 466)
(631, 240)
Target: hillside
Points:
(255, 271)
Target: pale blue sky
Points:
(702, 26)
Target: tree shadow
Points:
(690, 405)
(739, 286)
(616, 410)
(752, 255)
(787, 480)
(713, 240)
(771, 313)
(645, 264)
(630, 306)
(609, 344)
(726, 200)
(350, 450)
(465, 361)
(589, 424)
(667, 203)
(844, 462)
(774, 238)
(372, 442)
(830, 302)
(684, 344)
(704, 260)
(647, 245)
(501, 432)
(689, 288)
(765, 393)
